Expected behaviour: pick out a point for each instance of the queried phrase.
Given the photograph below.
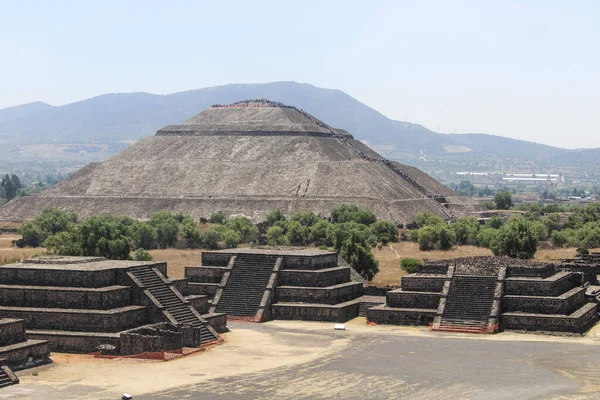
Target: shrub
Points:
(559, 239)
(466, 230)
(142, 255)
(428, 238)
(218, 217)
(516, 239)
(486, 236)
(244, 227)
(274, 216)
(297, 233)
(143, 235)
(503, 200)
(356, 251)
(307, 219)
(447, 238)
(275, 236)
(167, 228)
(410, 265)
(352, 213)
(211, 238)
(231, 238)
(318, 232)
(385, 231)
(428, 219)
(495, 222)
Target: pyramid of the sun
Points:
(247, 158)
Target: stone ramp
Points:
(173, 303)
(245, 285)
(469, 304)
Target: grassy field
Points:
(388, 257)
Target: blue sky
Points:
(527, 70)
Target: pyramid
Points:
(247, 158)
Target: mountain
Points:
(132, 116)
(24, 110)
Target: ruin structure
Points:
(85, 304)
(277, 283)
(487, 294)
(247, 158)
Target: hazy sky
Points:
(527, 70)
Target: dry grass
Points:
(177, 260)
(389, 258)
(10, 253)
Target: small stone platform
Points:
(78, 304)
(487, 294)
(259, 284)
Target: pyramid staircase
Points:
(173, 304)
(469, 304)
(7, 377)
(245, 285)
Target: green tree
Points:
(559, 238)
(275, 236)
(318, 233)
(218, 217)
(447, 238)
(466, 230)
(11, 185)
(167, 228)
(516, 239)
(356, 250)
(428, 219)
(274, 216)
(503, 200)
(243, 226)
(495, 222)
(231, 238)
(142, 255)
(385, 231)
(191, 233)
(297, 234)
(410, 265)
(552, 222)
(143, 235)
(428, 237)
(211, 238)
(49, 222)
(352, 213)
(307, 218)
(486, 236)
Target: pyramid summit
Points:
(245, 158)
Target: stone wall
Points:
(55, 277)
(543, 271)
(215, 259)
(422, 283)
(393, 316)
(80, 320)
(371, 290)
(329, 295)
(305, 312)
(156, 338)
(12, 331)
(205, 274)
(208, 289)
(310, 262)
(564, 304)
(403, 299)
(55, 297)
(554, 286)
(316, 278)
(433, 268)
(75, 342)
(578, 322)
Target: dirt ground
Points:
(9, 253)
(306, 360)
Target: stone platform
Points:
(484, 294)
(298, 283)
(77, 304)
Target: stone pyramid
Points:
(246, 158)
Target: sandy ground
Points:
(305, 360)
